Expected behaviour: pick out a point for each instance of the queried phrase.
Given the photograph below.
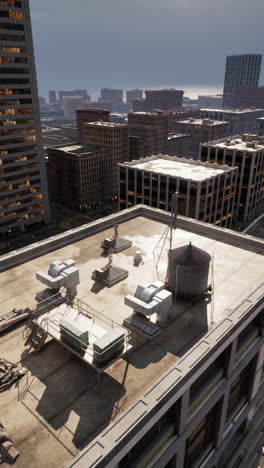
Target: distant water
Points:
(190, 91)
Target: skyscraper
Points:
(111, 95)
(70, 105)
(74, 92)
(23, 186)
(52, 96)
(133, 94)
(242, 71)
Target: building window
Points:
(249, 336)
(214, 375)
(239, 392)
(233, 446)
(202, 440)
(154, 441)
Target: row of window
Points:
(11, 26)
(11, 38)
(203, 438)
(11, 3)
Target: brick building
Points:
(247, 153)
(79, 175)
(201, 130)
(178, 145)
(89, 115)
(113, 136)
(181, 114)
(148, 133)
(246, 98)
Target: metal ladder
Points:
(36, 337)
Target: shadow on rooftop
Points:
(64, 392)
(97, 287)
(178, 336)
(104, 253)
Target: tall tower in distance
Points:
(23, 182)
(242, 71)
(52, 96)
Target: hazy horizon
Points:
(141, 43)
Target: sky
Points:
(141, 43)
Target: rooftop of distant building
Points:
(246, 142)
(177, 136)
(202, 122)
(232, 111)
(105, 124)
(179, 167)
(164, 89)
(57, 408)
(97, 111)
(153, 113)
(79, 149)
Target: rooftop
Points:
(57, 408)
(105, 124)
(249, 143)
(164, 89)
(179, 167)
(202, 122)
(218, 96)
(177, 136)
(79, 149)
(97, 111)
(232, 111)
(154, 113)
(72, 98)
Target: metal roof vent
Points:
(251, 144)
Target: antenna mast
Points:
(167, 233)
(174, 214)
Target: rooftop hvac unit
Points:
(108, 346)
(251, 144)
(74, 335)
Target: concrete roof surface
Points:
(231, 111)
(236, 143)
(202, 122)
(179, 169)
(56, 409)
